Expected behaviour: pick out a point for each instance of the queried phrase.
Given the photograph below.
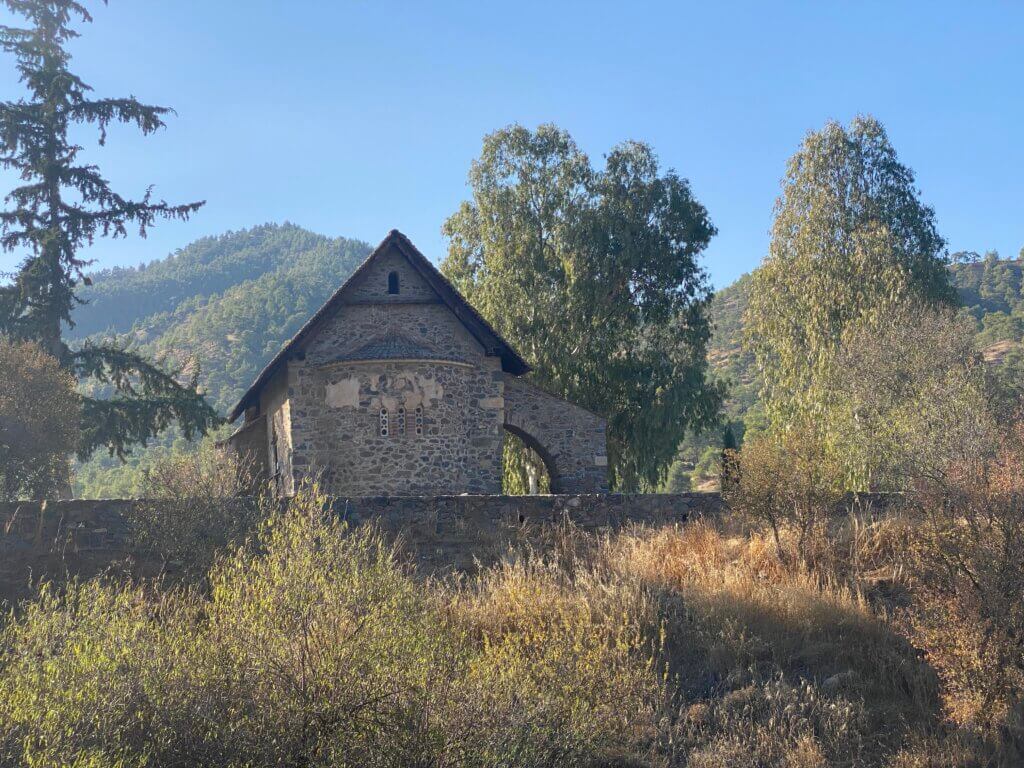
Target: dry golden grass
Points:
(693, 646)
(763, 664)
(748, 621)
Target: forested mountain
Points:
(120, 297)
(226, 303)
(230, 302)
(992, 290)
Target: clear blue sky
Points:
(353, 117)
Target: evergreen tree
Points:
(851, 241)
(594, 275)
(63, 205)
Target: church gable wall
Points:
(388, 392)
(336, 403)
(399, 428)
(354, 325)
(372, 283)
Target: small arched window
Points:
(392, 282)
(384, 425)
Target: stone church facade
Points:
(398, 387)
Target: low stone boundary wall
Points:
(445, 532)
(58, 540)
(84, 537)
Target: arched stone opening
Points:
(546, 480)
(570, 439)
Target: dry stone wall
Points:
(58, 540)
(461, 532)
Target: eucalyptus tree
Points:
(850, 242)
(62, 205)
(594, 276)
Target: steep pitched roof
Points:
(480, 329)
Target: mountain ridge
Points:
(229, 302)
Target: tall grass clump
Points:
(769, 661)
(565, 667)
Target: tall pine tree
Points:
(62, 205)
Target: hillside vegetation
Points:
(228, 303)
(991, 291)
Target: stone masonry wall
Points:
(462, 532)
(276, 410)
(335, 402)
(61, 539)
(570, 439)
(372, 284)
(444, 428)
(58, 540)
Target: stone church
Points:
(398, 387)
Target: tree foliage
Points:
(62, 205)
(593, 275)
(851, 239)
(907, 397)
(990, 289)
(39, 411)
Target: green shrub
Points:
(788, 484)
(313, 647)
(85, 675)
(195, 505)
